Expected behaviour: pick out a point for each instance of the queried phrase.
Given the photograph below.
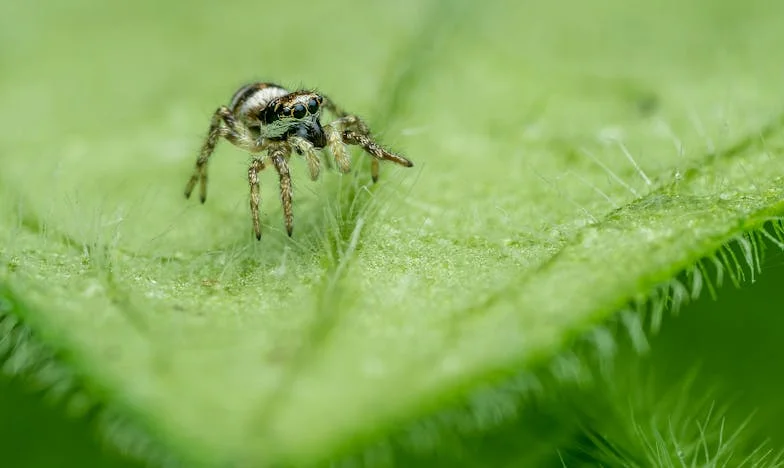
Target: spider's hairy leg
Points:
(345, 120)
(278, 157)
(222, 125)
(255, 198)
(348, 121)
(337, 148)
(307, 149)
(374, 149)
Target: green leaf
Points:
(569, 157)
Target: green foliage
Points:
(569, 160)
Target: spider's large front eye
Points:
(313, 106)
(299, 111)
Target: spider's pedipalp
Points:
(337, 147)
(307, 149)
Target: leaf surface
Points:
(565, 164)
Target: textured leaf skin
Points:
(563, 169)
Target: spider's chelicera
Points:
(270, 122)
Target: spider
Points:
(270, 122)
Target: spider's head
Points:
(295, 114)
(299, 105)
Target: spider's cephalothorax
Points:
(270, 122)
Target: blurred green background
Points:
(36, 434)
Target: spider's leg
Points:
(255, 198)
(222, 125)
(345, 119)
(352, 130)
(352, 122)
(374, 149)
(374, 168)
(337, 147)
(307, 149)
(278, 157)
(330, 105)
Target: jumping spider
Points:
(266, 118)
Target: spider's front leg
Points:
(222, 125)
(366, 142)
(352, 130)
(345, 119)
(278, 157)
(334, 129)
(336, 146)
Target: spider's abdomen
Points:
(251, 98)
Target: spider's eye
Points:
(299, 111)
(313, 106)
